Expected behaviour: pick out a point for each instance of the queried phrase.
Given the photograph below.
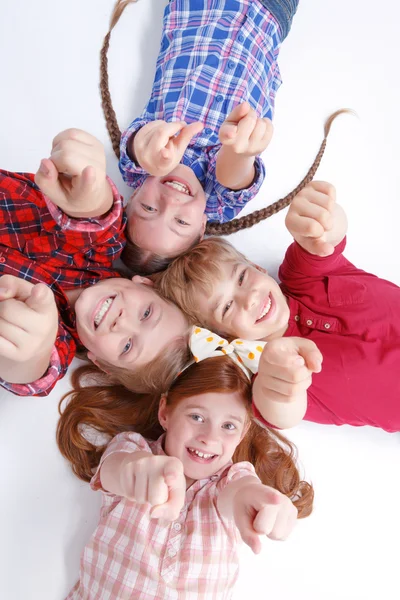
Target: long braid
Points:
(212, 227)
(215, 228)
(108, 109)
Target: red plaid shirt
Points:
(41, 244)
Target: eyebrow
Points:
(201, 408)
(219, 299)
(179, 232)
(233, 418)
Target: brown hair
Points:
(113, 410)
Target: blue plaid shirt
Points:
(214, 55)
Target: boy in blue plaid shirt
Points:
(193, 153)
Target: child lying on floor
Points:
(332, 330)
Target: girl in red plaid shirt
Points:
(175, 509)
(60, 232)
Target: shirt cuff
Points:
(231, 202)
(65, 222)
(42, 386)
(126, 164)
(129, 442)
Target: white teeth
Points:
(266, 310)
(178, 186)
(102, 311)
(200, 454)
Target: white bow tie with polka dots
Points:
(246, 353)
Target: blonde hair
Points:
(155, 376)
(195, 272)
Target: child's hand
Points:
(244, 132)
(158, 480)
(74, 177)
(286, 367)
(28, 322)
(314, 219)
(159, 146)
(262, 510)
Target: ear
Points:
(163, 412)
(143, 280)
(94, 360)
(203, 226)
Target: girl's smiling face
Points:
(203, 431)
(125, 323)
(166, 214)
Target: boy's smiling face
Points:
(166, 214)
(125, 322)
(245, 302)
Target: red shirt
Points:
(354, 319)
(40, 243)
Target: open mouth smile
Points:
(101, 310)
(201, 457)
(265, 309)
(178, 185)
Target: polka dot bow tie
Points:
(246, 353)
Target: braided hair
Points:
(212, 227)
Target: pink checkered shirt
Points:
(131, 556)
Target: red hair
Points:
(112, 410)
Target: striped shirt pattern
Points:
(131, 556)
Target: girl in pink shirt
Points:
(175, 509)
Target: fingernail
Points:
(43, 169)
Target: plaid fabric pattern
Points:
(133, 556)
(214, 55)
(41, 244)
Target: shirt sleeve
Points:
(131, 172)
(97, 224)
(129, 442)
(224, 204)
(30, 221)
(61, 357)
(299, 263)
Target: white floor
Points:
(339, 53)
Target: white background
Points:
(340, 53)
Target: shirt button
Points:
(297, 318)
(251, 14)
(171, 552)
(241, 37)
(219, 98)
(327, 325)
(309, 322)
(231, 64)
(208, 131)
(177, 526)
